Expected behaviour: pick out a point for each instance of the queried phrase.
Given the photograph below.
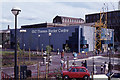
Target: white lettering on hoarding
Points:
(42, 31)
(54, 30)
(34, 31)
(63, 30)
(51, 31)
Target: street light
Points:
(109, 55)
(49, 42)
(49, 50)
(15, 11)
(109, 65)
(38, 42)
(93, 60)
(113, 49)
(42, 50)
(23, 45)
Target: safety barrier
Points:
(5, 76)
(52, 73)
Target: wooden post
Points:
(29, 55)
(46, 75)
(92, 76)
(67, 63)
(42, 52)
(19, 71)
(38, 70)
(17, 59)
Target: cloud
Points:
(38, 12)
(5, 21)
(60, 0)
(29, 17)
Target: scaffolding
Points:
(98, 26)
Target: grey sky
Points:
(40, 12)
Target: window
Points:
(84, 46)
(69, 69)
(82, 70)
(74, 70)
(70, 20)
(119, 14)
(63, 20)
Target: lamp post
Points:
(38, 42)
(93, 60)
(109, 65)
(109, 52)
(49, 42)
(15, 11)
(113, 49)
(42, 50)
(49, 51)
(23, 45)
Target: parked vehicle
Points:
(116, 75)
(76, 72)
(113, 75)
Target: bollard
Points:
(44, 61)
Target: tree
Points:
(48, 49)
(67, 48)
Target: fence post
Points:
(19, 71)
(46, 75)
(67, 63)
(1, 75)
(92, 76)
(29, 55)
(38, 69)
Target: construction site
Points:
(40, 47)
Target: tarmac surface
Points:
(55, 65)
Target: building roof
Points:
(41, 25)
(70, 17)
(102, 12)
(5, 31)
(85, 24)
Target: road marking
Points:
(95, 57)
(96, 65)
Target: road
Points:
(99, 60)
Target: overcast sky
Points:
(35, 12)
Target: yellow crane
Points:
(98, 26)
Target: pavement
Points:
(55, 65)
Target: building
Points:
(67, 20)
(113, 21)
(58, 21)
(43, 25)
(78, 38)
(119, 5)
(5, 39)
